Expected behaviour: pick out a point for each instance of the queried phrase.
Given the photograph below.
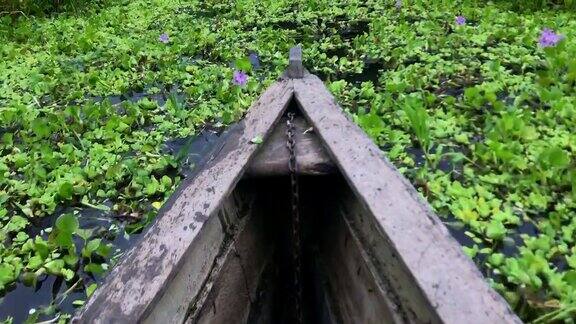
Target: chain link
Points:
(296, 249)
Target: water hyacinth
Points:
(239, 78)
(164, 38)
(460, 20)
(549, 38)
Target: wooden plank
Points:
(199, 262)
(235, 284)
(447, 278)
(395, 283)
(295, 67)
(138, 281)
(358, 294)
(272, 159)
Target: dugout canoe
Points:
(220, 248)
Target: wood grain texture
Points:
(235, 284)
(138, 281)
(355, 288)
(272, 159)
(295, 67)
(445, 276)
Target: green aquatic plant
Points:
(88, 101)
(418, 120)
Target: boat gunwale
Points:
(452, 284)
(158, 255)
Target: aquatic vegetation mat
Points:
(99, 111)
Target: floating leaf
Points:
(257, 140)
(91, 247)
(90, 289)
(7, 274)
(67, 223)
(35, 262)
(66, 190)
(78, 303)
(243, 64)
(70, 259)
(157, 205)
(55, 266)
(94, 268)
(495, 230)
(68, 274)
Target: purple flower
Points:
(240, 78)
(460, 20)
(164, 38)
(398, 4)
(548, 38)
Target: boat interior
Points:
(343, 278)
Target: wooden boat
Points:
(220, 251)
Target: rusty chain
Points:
(296, 248)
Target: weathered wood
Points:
(136, 284)
(392, 258)
(234, 287)
(199, 264)
(295, 67)
(448, 280)
(272, 159)
(358, 294)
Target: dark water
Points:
(19, 299)
(191, 151)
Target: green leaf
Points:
(21, 237)
(68, 274)
(419, 119)
(496, 259)
(471, 252)
(570, 278)
(104, 250)
(157, 205)
(54, 267)
(35, 262)
(78, 303)
(91, 247)
(243, 64)
(94, 268)
(40, 126)
(67, 223)
(495, 230)
(16, 224)
(84, 233)
(256, 140)
(571, 260)
(64, 239)
(66, 190)
(29, 279)
(7, 139)
(558, 158)
(372, 124)
(7, 274)
(41, 247)
(90, 289)
(70, 259)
